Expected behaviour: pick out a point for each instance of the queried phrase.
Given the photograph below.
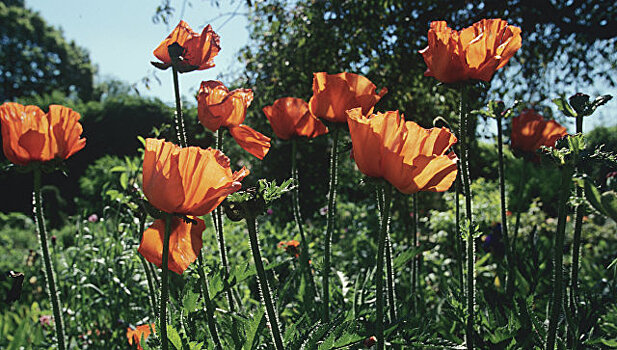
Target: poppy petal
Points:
(185, 242)
(250, 140)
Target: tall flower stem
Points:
(144, 264)
(165, 284)
(471, 273)
(209, 307)
(576, 240)
(459, 238)
(391, 289)
(330, 226)
(504, 219)
(386, 191)
(415, 278)
(263, 285)
(50, 277)
(295, 198)
(178, 119)
(217, 216)
(564, 194)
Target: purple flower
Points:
(269, 211)
(93, 218)
(45, 320)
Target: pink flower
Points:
(93, 218)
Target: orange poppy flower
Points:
(290, 116)
(291, 247)
(195, 52)
(475, 52)
(408, 156)
(29, 135)
(218, 107)
(184, 243)
(333, 94)
(188, 181)
(530, 131)
(134, 335)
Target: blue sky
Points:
(120, 36)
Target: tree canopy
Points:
(36, 58)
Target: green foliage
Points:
(37, 59)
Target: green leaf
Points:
(609, 203)
(174, 337)
(189, 302)
(594, 197)
(251, 328)
(563, 105)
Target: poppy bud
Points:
(579, 102)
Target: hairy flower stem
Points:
(386, 191)
(262, 280)
(50, 274)
(510, 276)
(471, 273)
(209, 307)
(330, 225)
(178, 119)
(576, 241)
(165, 284)
(217, 217)
(391, 289)
(564, 194)
(295, 198)
(459, 238)
(144, 264)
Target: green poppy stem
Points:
(510, 276)
(209, 307)
(471, 273)
(165, 284)
(386, 191)
(217, 217)
(330, 226)
(459, 238)
(295, 198)
(262, 280)
(50, 274)
(144, 264)
(391, 289)
(564, 194)
(178, 119)
(576, 242)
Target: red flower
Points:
(134, 335)
(184, 243)
(408, 156)
(530, 131)
(333, 94)
(475, 52)
(292, 247)
(29, 135)
(194, 51)
(188, 181)
(290, 116)
(218, 107)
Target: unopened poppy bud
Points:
(370, 341)
(579, 102)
